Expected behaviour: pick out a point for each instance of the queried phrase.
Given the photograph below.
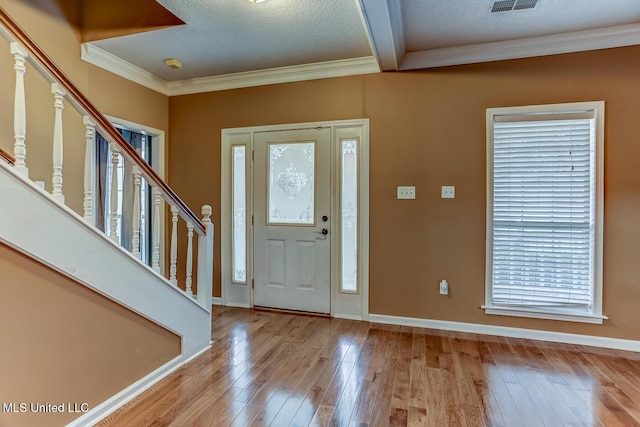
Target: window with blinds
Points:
(544, 223)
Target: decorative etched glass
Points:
(349, 219)
(291, 183)
(239, 239)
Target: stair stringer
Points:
(51, 233)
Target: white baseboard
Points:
(134, 390)
(504, 331)
(112, 404)
(347, 316)
(216, 301)
(238, 304)
(197, 354)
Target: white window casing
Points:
(545, 188)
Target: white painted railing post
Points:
(174, 246)
(135, 238)
(205, 260)
(113, 201)
(19, 110)
(188, 281)
(58, 142)
(155, 251)
(90, 137)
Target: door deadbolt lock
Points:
(325, 218)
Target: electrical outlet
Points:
(444, 287)
(407, 192)
(448, 192)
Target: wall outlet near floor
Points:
(444, 287)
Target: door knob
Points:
(324, 231)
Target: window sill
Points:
(567, 315)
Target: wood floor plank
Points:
(284, 369)
(401, 387)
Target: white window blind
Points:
(544, 189)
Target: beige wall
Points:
(428, 130)
(63, 343)
(112, 95)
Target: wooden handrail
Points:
(85, 107)
(7, 157)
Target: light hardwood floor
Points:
(283, 369)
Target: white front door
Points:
(292, 197)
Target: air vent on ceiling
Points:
(509, 5)
(525, 4)
(503, 6)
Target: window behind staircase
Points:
(141, 142)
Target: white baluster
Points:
(113, 201)
(189, 259)
(90, 137)
(205, 260)
(174, 246)
(155, 252)
(19, 110)
(135, 239)
(58, 142)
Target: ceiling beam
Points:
(383, 22)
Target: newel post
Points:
(205, 260)
(19, 110)
(58, 145)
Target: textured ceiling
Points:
(430, 24)
(229, 36)
(225, 37)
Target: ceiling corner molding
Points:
(320, 70)
(383, 23)
(103, 59)
(296, 73)
(579, 41)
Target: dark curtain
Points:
(103, 156)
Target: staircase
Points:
(39, 225)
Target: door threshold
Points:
(285, 311)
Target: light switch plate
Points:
(407, 192)
(448, 192)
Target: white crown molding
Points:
(579, 41)
(296, 73)
(388, 42)
(503, 331)
(320, 70)
(103, 59)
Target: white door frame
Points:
(343, 304)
